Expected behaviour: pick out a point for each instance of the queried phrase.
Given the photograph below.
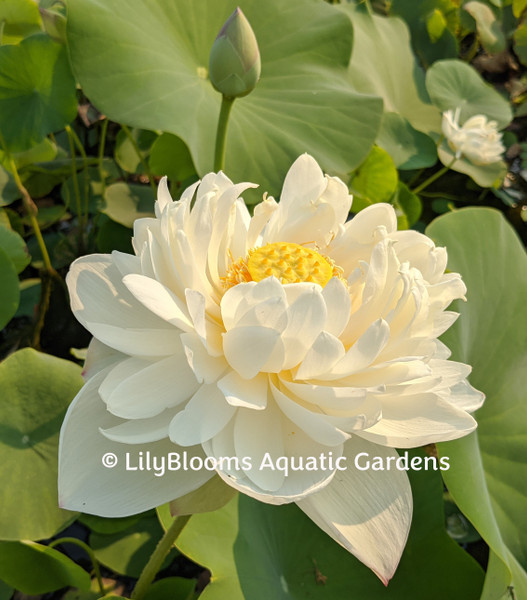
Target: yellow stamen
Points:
(288, 262)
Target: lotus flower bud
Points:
(54, 24)
(234, 64)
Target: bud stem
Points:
(433, 177)
(221, 133)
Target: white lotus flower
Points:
(293, 333)
(477, 139)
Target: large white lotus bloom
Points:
(477, 139)
(292, 333)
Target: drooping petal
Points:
(86, 485)
(367, 512)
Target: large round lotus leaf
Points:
(488, 474)
(10, 295)
(454, 84)
(257, 551)
(409, 148)
(37, 91)
(37, 388)
(382, 63)
(145, 64)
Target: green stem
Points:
(76, 186)
(221, 133)
(31, 210)
(158, 556)
(142, 159)
(2, 25)
(89, 552)
(433, 177)
(80, 147)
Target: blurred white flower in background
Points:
(292, 332)
(478, 139)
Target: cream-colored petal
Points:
(312, 423)
(159, 300)
(363, 353)
(86, 485)
(324, 354)
(366, 512)
(338, 306)
(141, 431)
(206, 414)
(245, 393)
(257, 433)
(412, 421)
(249, 350)
(103, 304)
(306, 317)
(206, 368)
(145, 392)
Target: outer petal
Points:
(367, 512)
(297, 485)
(86, 485)
(107, 309)
(411, 421)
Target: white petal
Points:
(146, 392)
(325, 352)
(255, 434)
(411, 421)
(306, 317)
(137, 341)
(312, 423)
(164, 198)
(245, 393)
(141, 431)
(363, 352)
(86, 485)
(159, 300)
(98, 357)
(103, 304)
(206, 414)
(366, 512)
(238, 300)
(297, 446)
(249, 349)
(206, 368)
(364, 224)
(338, 305)
(464, 396)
